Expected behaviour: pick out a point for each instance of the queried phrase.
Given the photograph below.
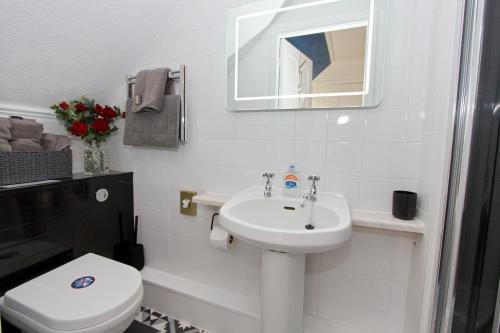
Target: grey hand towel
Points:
(159, 129)
(5, 122)
(54, 142)
(26, 129)
(5, 132)
(5, 135)
(5, 146)
(25, 145)
(149, 89)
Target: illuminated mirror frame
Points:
(369, 25)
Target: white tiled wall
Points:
(364, 153)
(361, 286)
(441, 90)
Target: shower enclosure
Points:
(467, 299)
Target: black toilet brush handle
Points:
(136, 225)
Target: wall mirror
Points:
(297, 54)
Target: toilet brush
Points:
(129, 252)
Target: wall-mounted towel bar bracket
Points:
(180, 76)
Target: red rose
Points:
(100, 126)
(80, 107)
(98, 109)
(78, 128)
(64, 105)
(108, 112)
(124, 115)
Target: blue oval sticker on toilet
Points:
(82, 282)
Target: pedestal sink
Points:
(286, 229)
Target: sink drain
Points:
(309, 226)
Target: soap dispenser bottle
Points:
(291, 182)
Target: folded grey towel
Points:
(159, 129)
(5, 132)
(5, 146)
(5, 122)
(54, 142)
(25, 145)
(26, 129)
(149, 89)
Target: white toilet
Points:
(91, 294)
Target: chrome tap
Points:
(268, 189)
(312, 194)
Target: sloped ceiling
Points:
(61, 49)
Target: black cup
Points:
(404, 205)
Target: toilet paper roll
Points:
(221, 239)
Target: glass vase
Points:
(96, 158)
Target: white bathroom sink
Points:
(279, 223)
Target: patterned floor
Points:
(152, 321)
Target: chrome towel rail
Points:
(179, 75)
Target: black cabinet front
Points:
(44, 226)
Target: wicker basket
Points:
(25, 167)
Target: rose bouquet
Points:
(88, 120)
(93, 123)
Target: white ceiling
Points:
(61, 49)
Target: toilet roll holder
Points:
(231, 238)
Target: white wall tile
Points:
(223, 153)
(278, 155)
(386, 125)
(399, 46)
(159, 220)
(335, 285)
(398, 298)
(190, 227)
(158, 196)
(344, 158)
(342, 258)
(311, 125)
(251, 154)
(250, 177)
(396, 87)
(346, 126)
(415, 123)
(370, 320)
(370, 293)
(251, 126)
(310, 156)
(280, 125)
(346, 185)
(223, 180)
(397, 160)
(160, 257)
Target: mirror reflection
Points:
(330, 62)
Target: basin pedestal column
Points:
(282, 292)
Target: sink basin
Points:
(279, 223)
(286, 229)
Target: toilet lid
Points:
(82, 293)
